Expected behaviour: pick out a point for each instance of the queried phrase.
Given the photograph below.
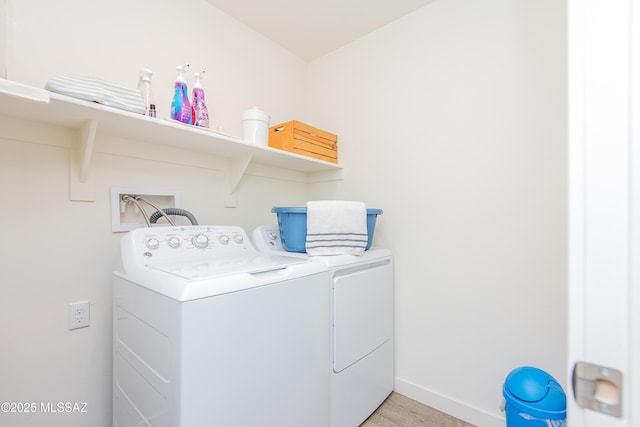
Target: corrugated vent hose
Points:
(172, 211)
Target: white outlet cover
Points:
(78, 315)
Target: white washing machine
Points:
(362, 327)
(210, 332)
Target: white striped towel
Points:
(96, 90)
(336, 227)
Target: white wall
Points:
(3, 39)
(57, 251)
(453, 121)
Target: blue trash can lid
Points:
(534, 391)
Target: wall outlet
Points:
(127, 216)
(78, 315)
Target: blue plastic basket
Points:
(292, 222)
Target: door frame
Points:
(604, 198)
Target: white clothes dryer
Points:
(209, 332)
(361, 363)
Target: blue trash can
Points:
(533, 398)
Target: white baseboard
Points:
(465, 412)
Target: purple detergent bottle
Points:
(200, 112)
(180, 105)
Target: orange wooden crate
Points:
(301, 138)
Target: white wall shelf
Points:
(91, 118)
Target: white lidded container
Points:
(255, 126)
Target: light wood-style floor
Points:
(400, 411)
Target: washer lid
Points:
(224, 266)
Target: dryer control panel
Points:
(267, 237)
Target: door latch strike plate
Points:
(598, 388)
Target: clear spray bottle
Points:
(180, 105)
(144, 86)
(200, 111)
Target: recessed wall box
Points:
(127, 216)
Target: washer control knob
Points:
(224, 239)
(238, 238)
(200, 241)
(152, 243)
(173, 242)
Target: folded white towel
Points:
(99, 91)
(336, 227)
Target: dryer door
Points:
(362, 311)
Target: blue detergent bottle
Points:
(200, 111)
(180, 105)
